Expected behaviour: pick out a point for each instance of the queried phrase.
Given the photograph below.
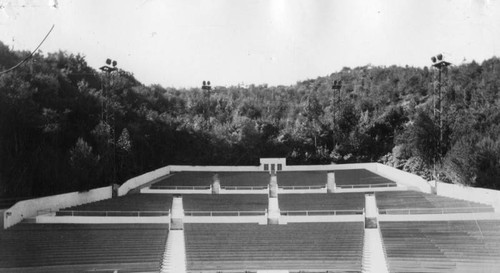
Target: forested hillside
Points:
(65, 126)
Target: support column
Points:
(216, 184)
(177, 217)
(273, 210)
(331, 187)
(371, 211)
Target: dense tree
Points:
(65, 126)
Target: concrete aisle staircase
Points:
(374, 258)
(174, 259)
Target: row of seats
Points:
(290, 178)
(415, 199)
(225, 202)
(359, 177)
(335, 201)
(442, 246)
(287, 202)
(95, 245)
(131, 203)
(296, 246)
(207, 178)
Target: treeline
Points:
(65, 126)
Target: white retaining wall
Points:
(412, 181)
(29, 208)
(185, 168)
(332, 167)
(142, 179)
(479, 195)
(51, 219)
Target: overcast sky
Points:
(180, 43)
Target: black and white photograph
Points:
(250, 136)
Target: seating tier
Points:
(36, 245)
(359, 177)
(442, 246)
(225, 202)
(296, 246)
(302, 178)
(207, 178)
(132, 202)
(322, 201)
(415, 199)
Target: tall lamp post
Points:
(440, 64)
(105, 115)
(337, 85)
(206, 87)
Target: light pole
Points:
(105, 115)
(337, 85)
(440, 64)
(206, 87)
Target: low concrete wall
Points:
(398, 188)
(438, 217)
(185, 168)
(142, 179)
(322, 218)
(290, 191)
(479, 195)
(261, 219)
(332, 167)
(50, 219)
(149, 190)
(29, 208)
(412, 181)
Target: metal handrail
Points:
(357, 186)
(316, 187)
(180, 187)
(434, 210)
(244, 187)
(113, 213)
(320, 212)
(224, 213)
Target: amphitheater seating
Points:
(442, 246)
(302, 178)
(127, 203)
(413, 200)
(126, 246)
(186, 179)
(335, 201)
(296, 246)
(206, 179)
(244, 178)
(359, 177)
(225, 202)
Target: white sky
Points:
(180, 43)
